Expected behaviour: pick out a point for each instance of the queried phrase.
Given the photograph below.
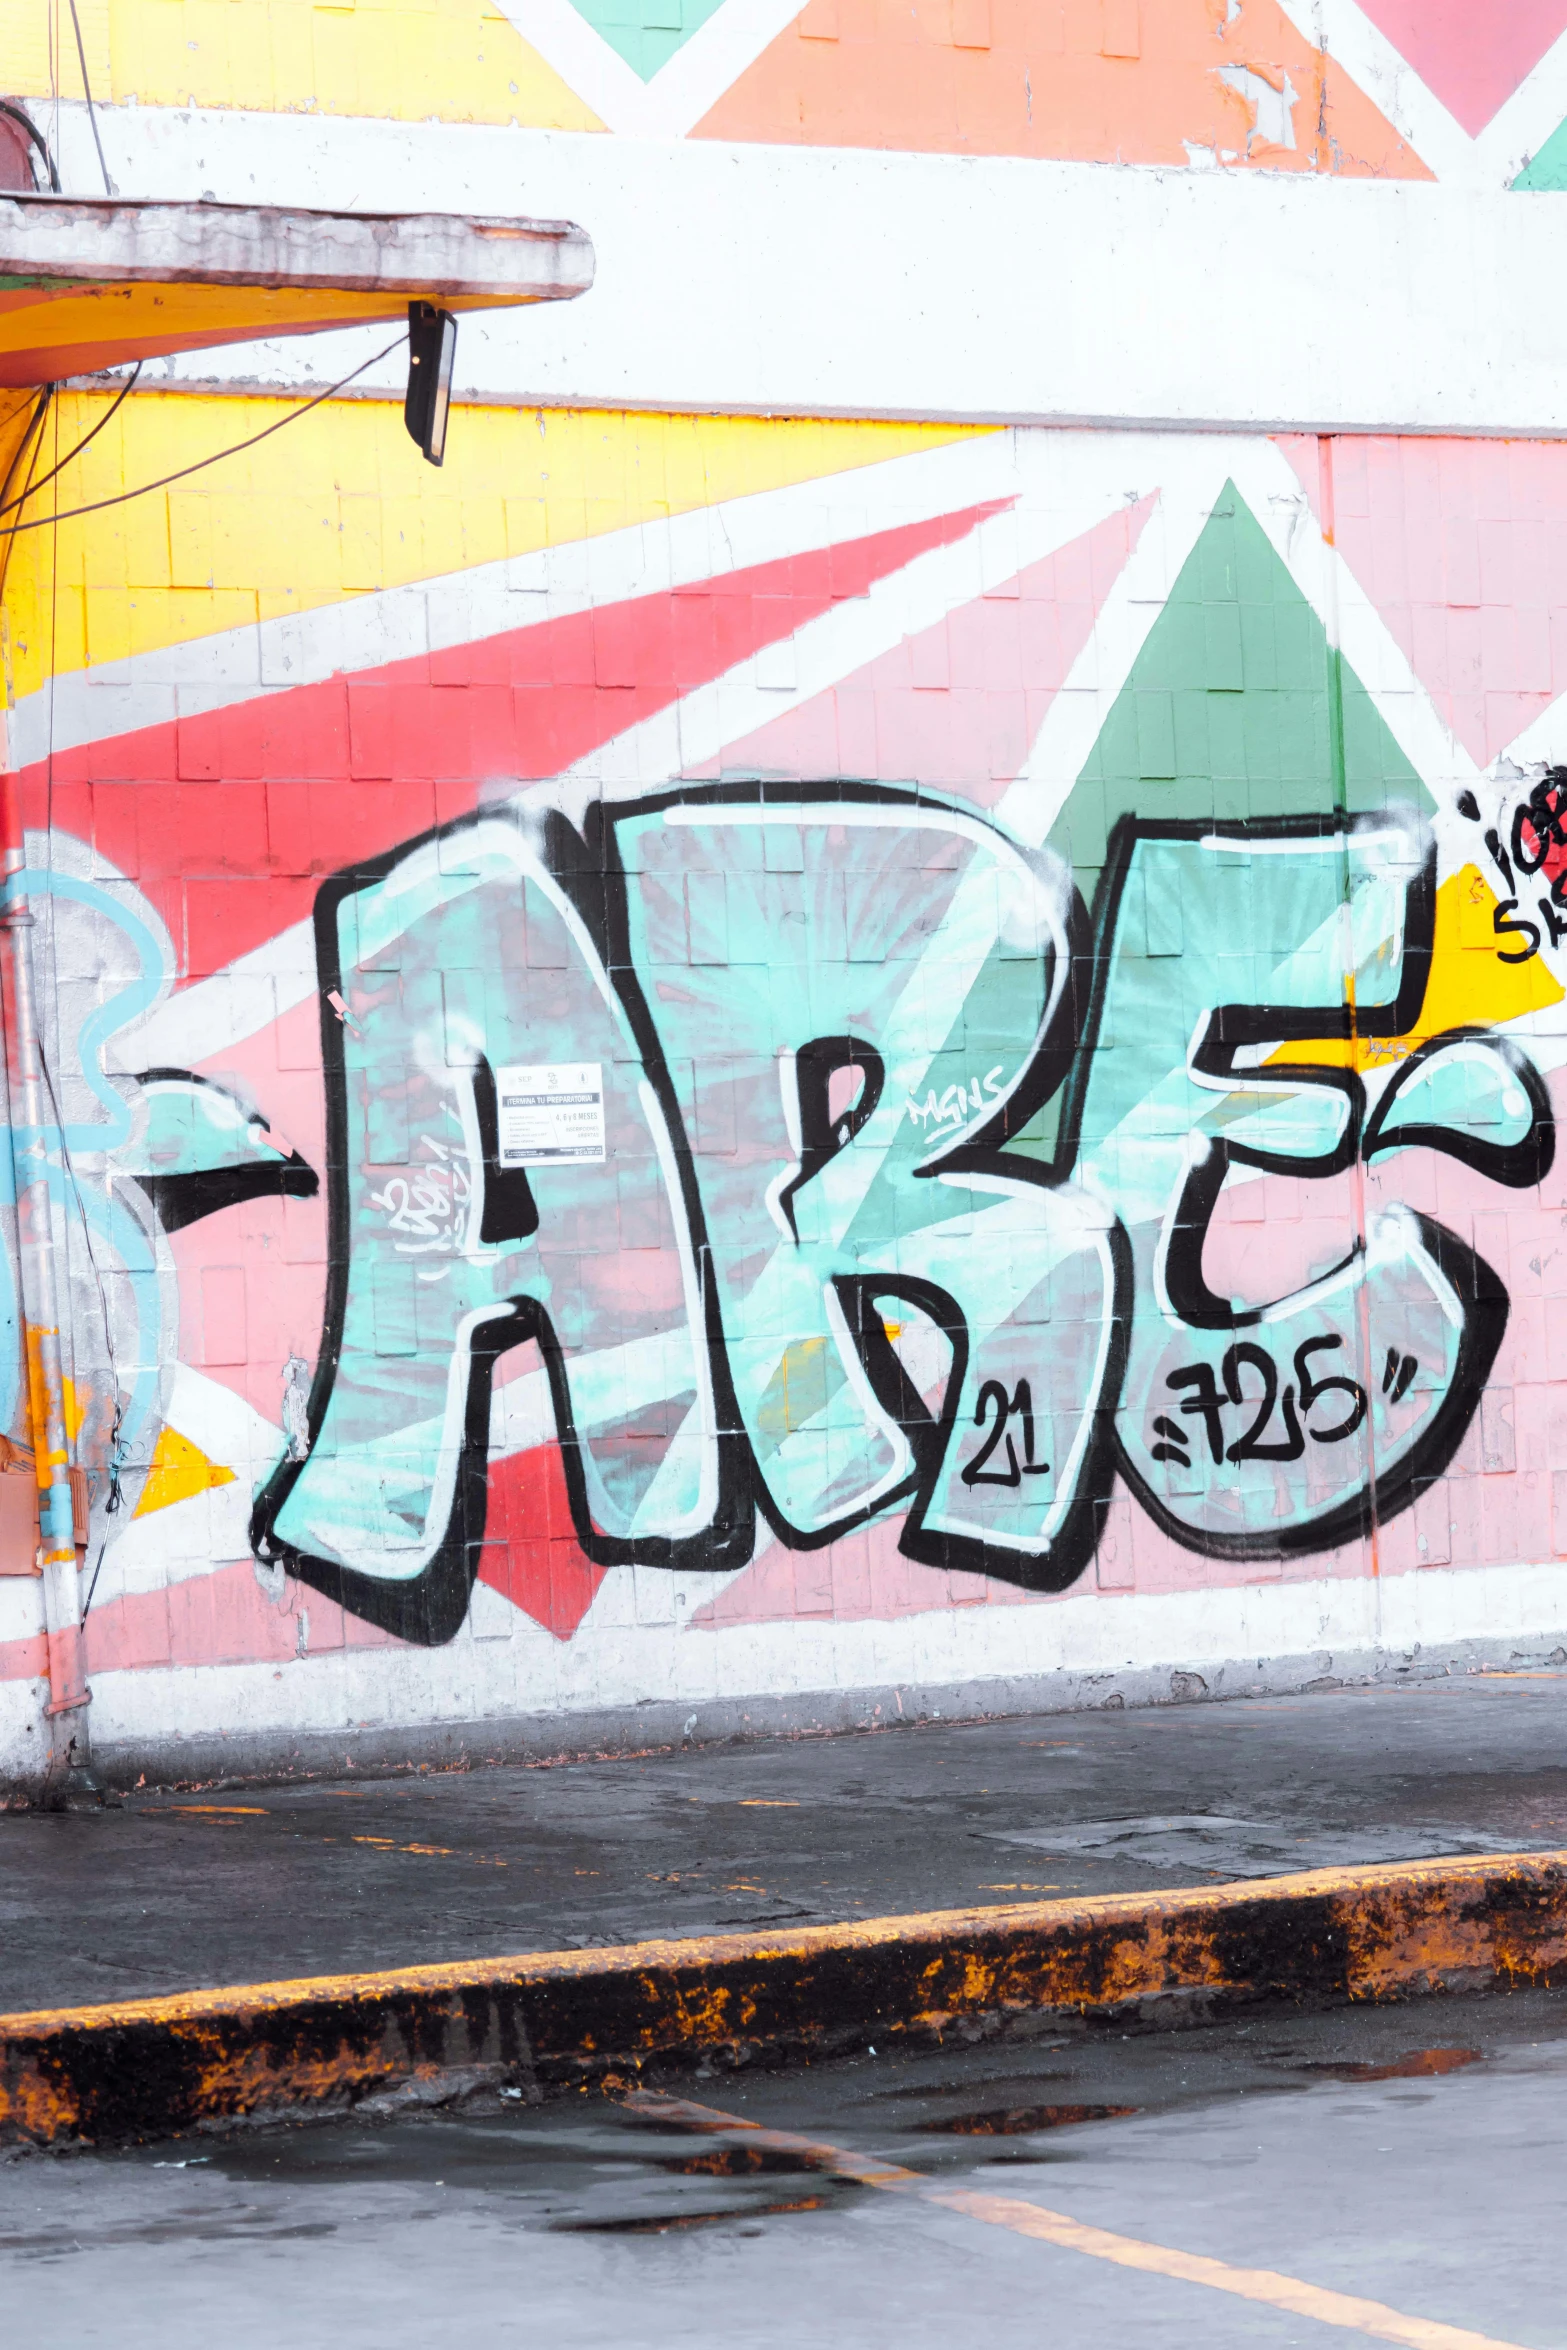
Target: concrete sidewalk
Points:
(219, 1885)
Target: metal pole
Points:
(69, 1696)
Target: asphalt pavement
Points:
(1394, 2173)
(189, 1888)
(184, 1888)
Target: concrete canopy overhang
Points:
(87, 284)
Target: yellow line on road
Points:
(1349, 2310)
(1252, 2284)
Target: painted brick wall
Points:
(730, 1061)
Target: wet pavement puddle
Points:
(1021, 2121)
(1421, 2064)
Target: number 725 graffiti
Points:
(1208, 1404)
(769, 1289)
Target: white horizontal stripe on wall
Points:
(633, 1648)
(752, 279)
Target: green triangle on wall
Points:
(1227, 713)
(647, 33)
(1548, 169)
(1227, 710)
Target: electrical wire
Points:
(109, 187)
(92, 1587)
(53, 520)
(9, 505)
(116, 1453)
(66, 1159)
(54, 67)
(19, 115)
(35, 435)
(25, 446)
(116, 1445)
(73, 1179)
(115, 1495)
(123, 497)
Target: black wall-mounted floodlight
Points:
(432, 347)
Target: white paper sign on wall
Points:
(551, 1113)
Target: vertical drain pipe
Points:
(67, 1765)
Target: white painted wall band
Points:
(823, 281)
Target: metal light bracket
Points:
(432, 348)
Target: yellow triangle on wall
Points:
(1470, 984)
(178, 1469)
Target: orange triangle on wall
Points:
(1221, 82)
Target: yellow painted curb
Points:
(547, 2021)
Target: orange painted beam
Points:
(102, 328)
(88, 285)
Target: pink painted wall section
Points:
(1459, 545)
(963, 700)
(1472, 58)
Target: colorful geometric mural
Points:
(976, 1027)
(710, 1055)
(1402, 89)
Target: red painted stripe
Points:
(227, 821)
(530, 1553)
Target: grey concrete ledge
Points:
(69, 240)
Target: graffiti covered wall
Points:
(710, 1062)
(933, 1069)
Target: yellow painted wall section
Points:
(342, 503)
(455, 60)
(39, 49)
